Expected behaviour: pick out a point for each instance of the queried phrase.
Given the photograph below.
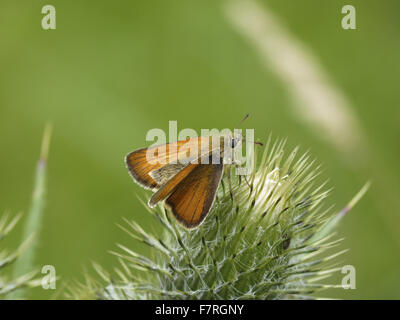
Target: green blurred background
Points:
(112, 70)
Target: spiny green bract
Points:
(7, 284)
(263, 241)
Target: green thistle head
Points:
(266, 242)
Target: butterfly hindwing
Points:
(192, 198)
(165, 190)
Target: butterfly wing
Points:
(191, 199)
(151, 167)
(140, 168)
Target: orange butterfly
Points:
(186, 174)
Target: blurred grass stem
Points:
(25, 264)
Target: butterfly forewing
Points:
(140, 169)
(150, 174)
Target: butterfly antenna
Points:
(241, 121)
(255, 142)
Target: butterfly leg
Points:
(250, 187)
(238, 167)
(228, 168)
(223, 186)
